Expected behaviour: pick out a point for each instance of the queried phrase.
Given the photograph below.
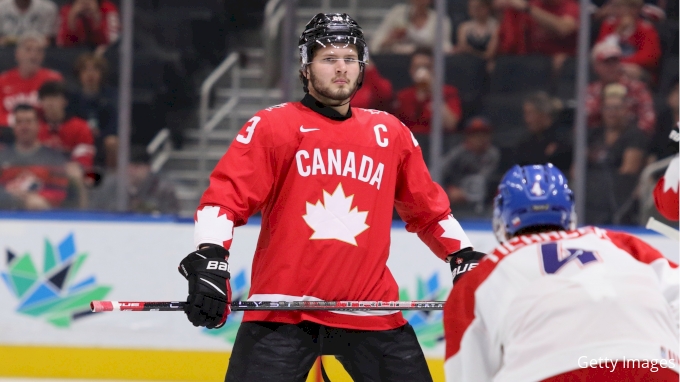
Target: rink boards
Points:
(57, 263)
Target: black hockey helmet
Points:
(337, 29)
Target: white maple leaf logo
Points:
(334, 218)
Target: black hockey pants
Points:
(266, 351)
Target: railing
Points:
(646, 187)
(159, 149)
(207, 122)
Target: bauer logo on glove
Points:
(209, 299)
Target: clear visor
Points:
(338, 42)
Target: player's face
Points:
(26, 127)
(30, 55)
(333, 74)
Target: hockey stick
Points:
(178, 306)
(663, 229)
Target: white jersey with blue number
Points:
(542, 305)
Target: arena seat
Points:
(394, 67)
(467, 73)
(521, 73)
(503, 109)
(668, 74)
(63, 60)
(7, 58)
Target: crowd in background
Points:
(58, 128)
(632, 98)
(508, 98)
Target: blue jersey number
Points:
(551, 257)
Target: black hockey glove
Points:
(464, 261)
(207, 271)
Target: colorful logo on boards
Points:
(54, 293)
(427, 324)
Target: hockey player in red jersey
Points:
(326, 178)
(20, 85)
(554, 303)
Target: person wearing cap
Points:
(469, 166)
(606, 59)
(148, 193)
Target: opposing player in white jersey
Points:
(554, 303)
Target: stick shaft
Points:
(663, 229)
(178, 306)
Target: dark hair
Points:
(25, 107)
(52, 88)
(423, 51)
(99, 62)
(543, 103)
(486, 3)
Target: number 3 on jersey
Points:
(554, 257)
(249, 130)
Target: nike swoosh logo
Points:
(303, 130)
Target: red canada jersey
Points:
(72, 137)
(16, 90)
(326, 189)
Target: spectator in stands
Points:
(69, 134)
(606, 57)
(547, 27)
(544, 143)
(20, 85)
(376, 91)
(96, 104)
(618, 144)
(469, 166)
(147, 192)
(413, 105)
(408, 27)
(661, 147)
(93, 23)
(637, 38)
(479, 35)
(32, 176)
(616, 155)
(21, 16)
